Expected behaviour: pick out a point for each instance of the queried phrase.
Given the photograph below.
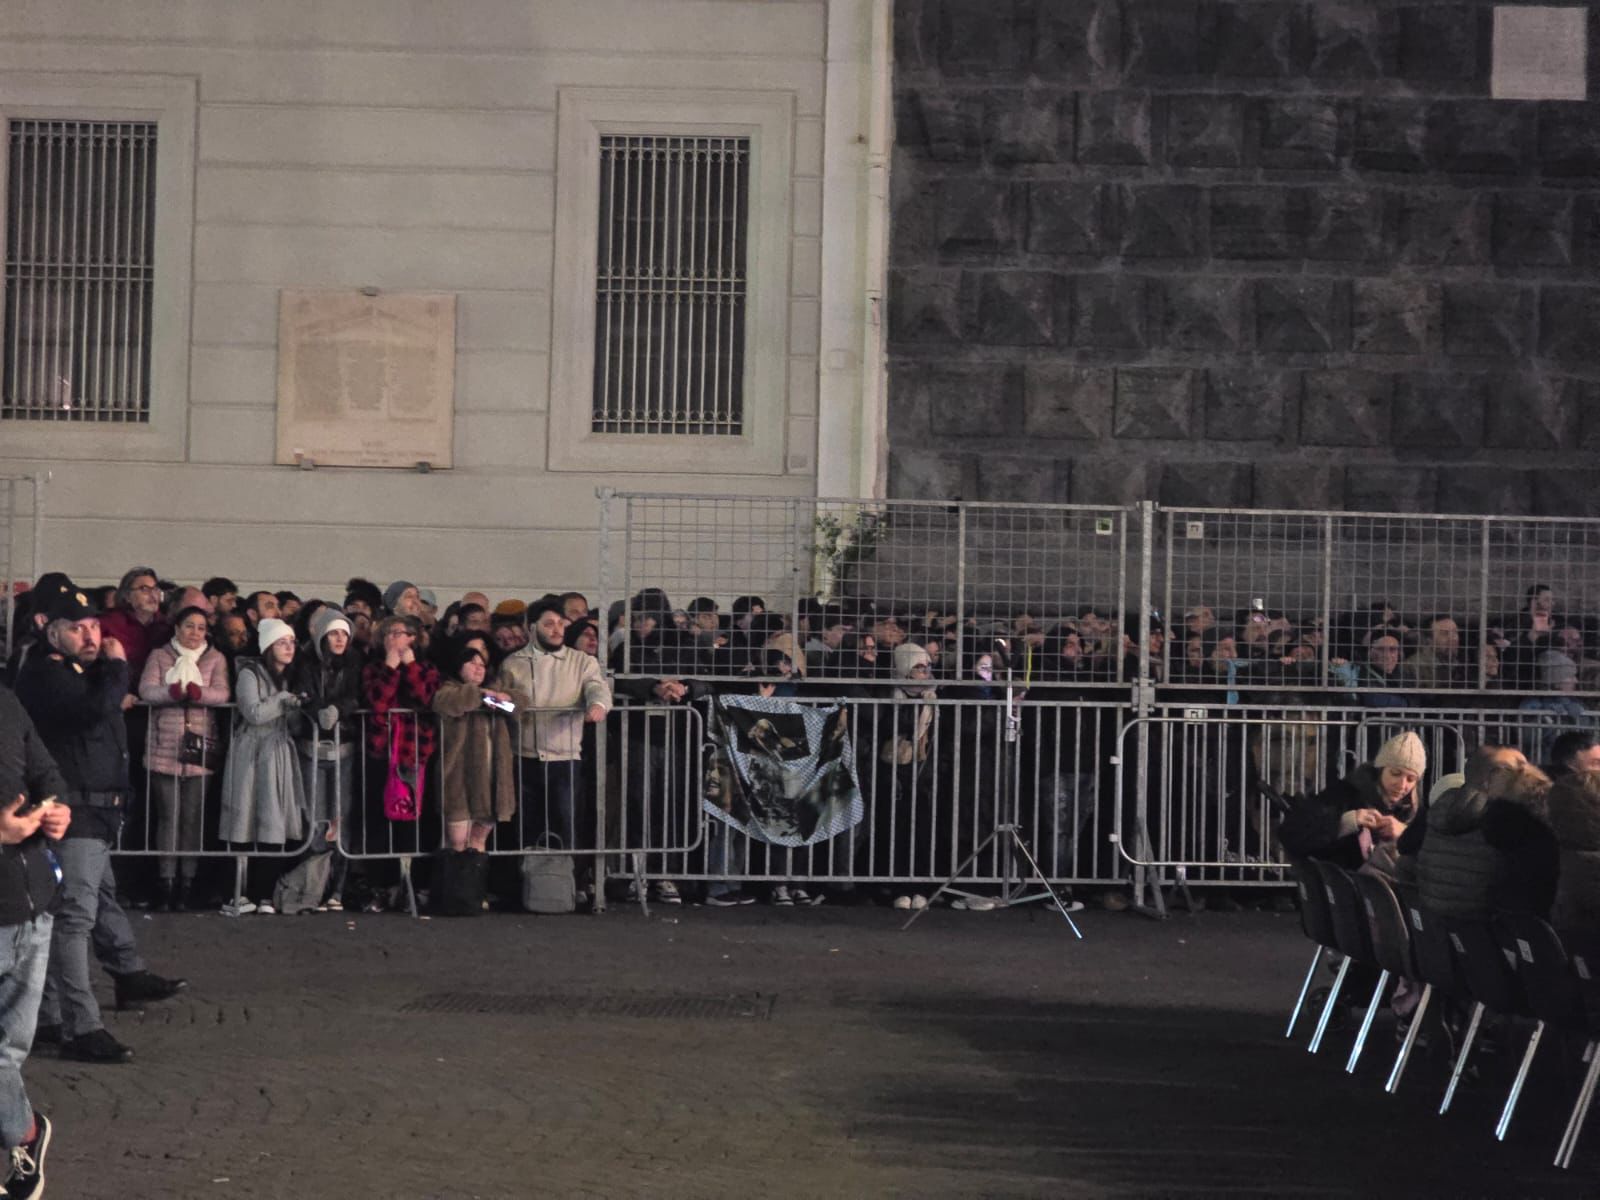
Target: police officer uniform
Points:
(77, 709)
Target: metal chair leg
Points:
(1305, 989)
(1327, 1007)
(1516, 1087)
(1417, 1017)
(1580, 1109)
(1366, 1023)
(1461, 1058)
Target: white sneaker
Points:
(667, 892)
(265, 909)
(800, 896)
(904, 902)
(238, 908)
(919, 901)
(635, 892)
(975, 903)
(781, 896)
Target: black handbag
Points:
(461, 883)
(197, 750)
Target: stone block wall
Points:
(1272, 254)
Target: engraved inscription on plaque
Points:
(366, 380)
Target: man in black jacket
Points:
(74, 695)
(28, 886)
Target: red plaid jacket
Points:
(410, 687)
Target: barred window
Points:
(671, 285)
(79, 271)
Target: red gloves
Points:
(192, 690)
(176, 691)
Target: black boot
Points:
(164, 893)
(139, 988)
(180, 896)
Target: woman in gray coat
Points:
(263, 790)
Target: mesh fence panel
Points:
(21, 501)
(1358, 602)
(965, 573)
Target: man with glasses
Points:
(136, 623)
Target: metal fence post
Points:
(1144, 707)
(37, 557)
(961, 585)
(1327, 597)
(604, 494)
(600, 808)
(1483, 603)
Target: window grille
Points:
(79, 271)
(671, 285)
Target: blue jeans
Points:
(550, 793)
(89, 911)
(717, 835)
(24, 957)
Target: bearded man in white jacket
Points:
(558, 677)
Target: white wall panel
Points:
(405, 145)
(234, 436)
(233, 376)
(446, 260)
(376, 137)
(375, 198)
(511, 441)
(240, 314)
(502, 381)
(768, 27)
(489, 79)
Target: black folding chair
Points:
(1492, 978)
(1350, 928)
(1584, 953)
(1436, 965)
(1391, 945)
(1317, 924)
(1550, 988)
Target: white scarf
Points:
(187, 669)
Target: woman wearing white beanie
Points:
(263, 791)
(1365, 812)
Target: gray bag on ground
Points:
(301, 888)
(548, 883)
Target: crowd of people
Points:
(265, 725)
(329, 698)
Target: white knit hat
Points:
(1403, 750)
(272, 630)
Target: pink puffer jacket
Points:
(171, 719)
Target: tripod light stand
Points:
(1011, 801)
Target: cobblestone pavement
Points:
(815, 1052)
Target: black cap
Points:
(70, 606)
(51, 586)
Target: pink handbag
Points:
(399, 796)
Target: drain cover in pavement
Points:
(680, 1008)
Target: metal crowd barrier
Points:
(933, 789)
(1101, 793)
(1195, 767)
(178, 809)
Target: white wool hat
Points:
(1403, 750)
(272, 630)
